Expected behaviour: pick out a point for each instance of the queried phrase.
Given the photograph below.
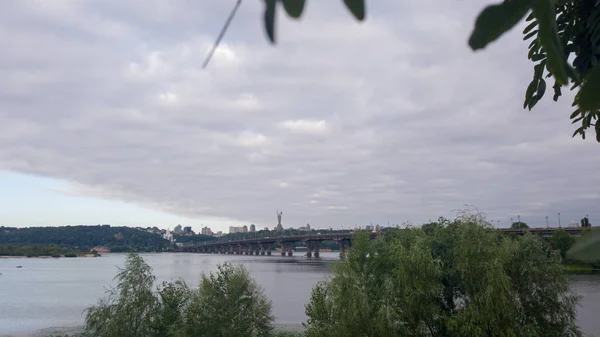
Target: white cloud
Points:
(167, 97)
(306, 126)
(394, 119)
(251, 139)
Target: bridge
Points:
(264, 246)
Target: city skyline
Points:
(51, 194)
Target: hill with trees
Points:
(117, 239)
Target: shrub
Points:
(228, 303)
(456, 279)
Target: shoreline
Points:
(75, 331)
(44, 256)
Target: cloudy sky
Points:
(106, 116)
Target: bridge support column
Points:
(312, 248)
(265, 248)
(288, 247)
(344, 246)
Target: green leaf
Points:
(529, 93)
(294, 8)
(357, 7)
(575, 113)
(537, 57)
(528, 36)
(538, 70)
(589, 94)
(598, 132)
(541, 89)
(545, 13)
(530, 17)
(557, 91)
(270, 19)
(587, 248)
(496, 20)
(577, 131)
(530, 27)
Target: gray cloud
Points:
(391, 120)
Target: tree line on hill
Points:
(84, 238)
(39, 250)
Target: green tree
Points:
(130, 308)
(561, 241)
(173, 298)
(519, 225)
(228, 303)
(558, 31)
(458, 280)
(585, 222)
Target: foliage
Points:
(586, 249)
(558, 30)
(456, 279)
(130, 308)
(194, 238)
(228, 303)
(561, 241)
(585, 222)
(519, 225)
(38, 250)
(84, 237)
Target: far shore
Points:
(74, 331)
(44, 257)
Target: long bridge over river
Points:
(312, 241)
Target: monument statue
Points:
(279, 217)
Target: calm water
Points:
(54, 292)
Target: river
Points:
(54, 292)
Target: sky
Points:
(106, 116)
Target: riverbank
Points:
(45, 256)
(76, 331)
(581, 269)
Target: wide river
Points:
(54, 292)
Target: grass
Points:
(580, 268)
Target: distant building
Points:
(245, 229)
(267, 229)
(168, 236)
(219, 233)
(305, 228)
(369, 227)
(234, 229)
(279, 227)
(206, 231)
(252, 228)
(101, 249)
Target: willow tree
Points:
(459, 279)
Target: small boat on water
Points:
(19, 266)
